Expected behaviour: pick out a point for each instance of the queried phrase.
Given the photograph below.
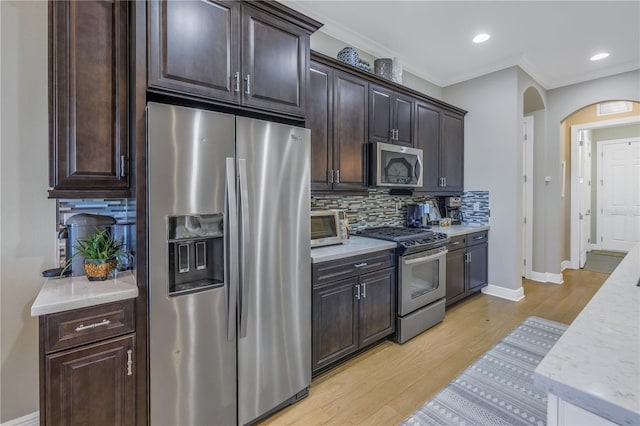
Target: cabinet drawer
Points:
(334, 270)
(80, 326)
(457, 243)
(477, 238)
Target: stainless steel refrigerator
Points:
(229, 266)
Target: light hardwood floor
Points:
(387, 383)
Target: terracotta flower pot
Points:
(99, 269)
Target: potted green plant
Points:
(101, 253)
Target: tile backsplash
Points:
(122, 210)
(475, 207)
(378, 208)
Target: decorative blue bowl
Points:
(349, 55)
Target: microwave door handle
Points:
(244, 270)
(425, 258)
(418, 170)
(231, 235)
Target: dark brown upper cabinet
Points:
(251, 55)
(337, 116)
(440, 134)
(88, 99)
(390, 116)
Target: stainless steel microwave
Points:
(328, 227)
(395, 166)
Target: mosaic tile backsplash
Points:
(475, 207)
(380, 208)
(122, 210)
(377, 209)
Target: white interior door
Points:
(584, 179)
(619, 194)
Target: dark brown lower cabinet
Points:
(466, 265)
(87, 366)
(92, 385)
(352, 313)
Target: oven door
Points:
(421, 279)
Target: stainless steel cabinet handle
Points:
(469, 257)
(364, 290)
(391, 134)
(231, 232)
(358, 291)
(330, 172)
(455, 243)
(244, 270)
(397, 134)
(129, 362)
(444, 179)
(82, 327)
(248, 88)
(123, 170)
(479, 237)
(236, 77)
(337, 176)
(360, 265)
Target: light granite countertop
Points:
(456, 230)
(352, 247)
(595, 365)
(62, 294)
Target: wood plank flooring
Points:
(387, 383)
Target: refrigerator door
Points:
(274, 340)
(192, 354)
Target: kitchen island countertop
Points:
(63, 294)
(352, 247)
(595, 365)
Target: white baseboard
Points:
(32, 419)
(504, 293)
(547, 277)
(566, 264)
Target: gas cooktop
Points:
(410, 240)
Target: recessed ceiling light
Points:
(599, 56)
(480, 38)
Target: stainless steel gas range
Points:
(421, 277)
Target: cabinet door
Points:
(92, 385)
(452, 151)
(477, 266)
(275, 62)
(319, 121)
(88, 92)
(335, 322)
(377, 306)
(194, 48)
(380, 125)
(455, 275)
(402, 119)
(350, 112)
(427, 138)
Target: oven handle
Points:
(425, 258)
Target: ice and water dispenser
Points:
(196, 252)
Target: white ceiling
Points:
(551, 40)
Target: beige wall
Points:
(27, 217)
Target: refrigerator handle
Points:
(244, 272)
(231, 233)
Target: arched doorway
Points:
(584, 132)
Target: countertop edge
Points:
(344, 250)
(586, 401)
(59, 295)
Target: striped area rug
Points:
(498, 388)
